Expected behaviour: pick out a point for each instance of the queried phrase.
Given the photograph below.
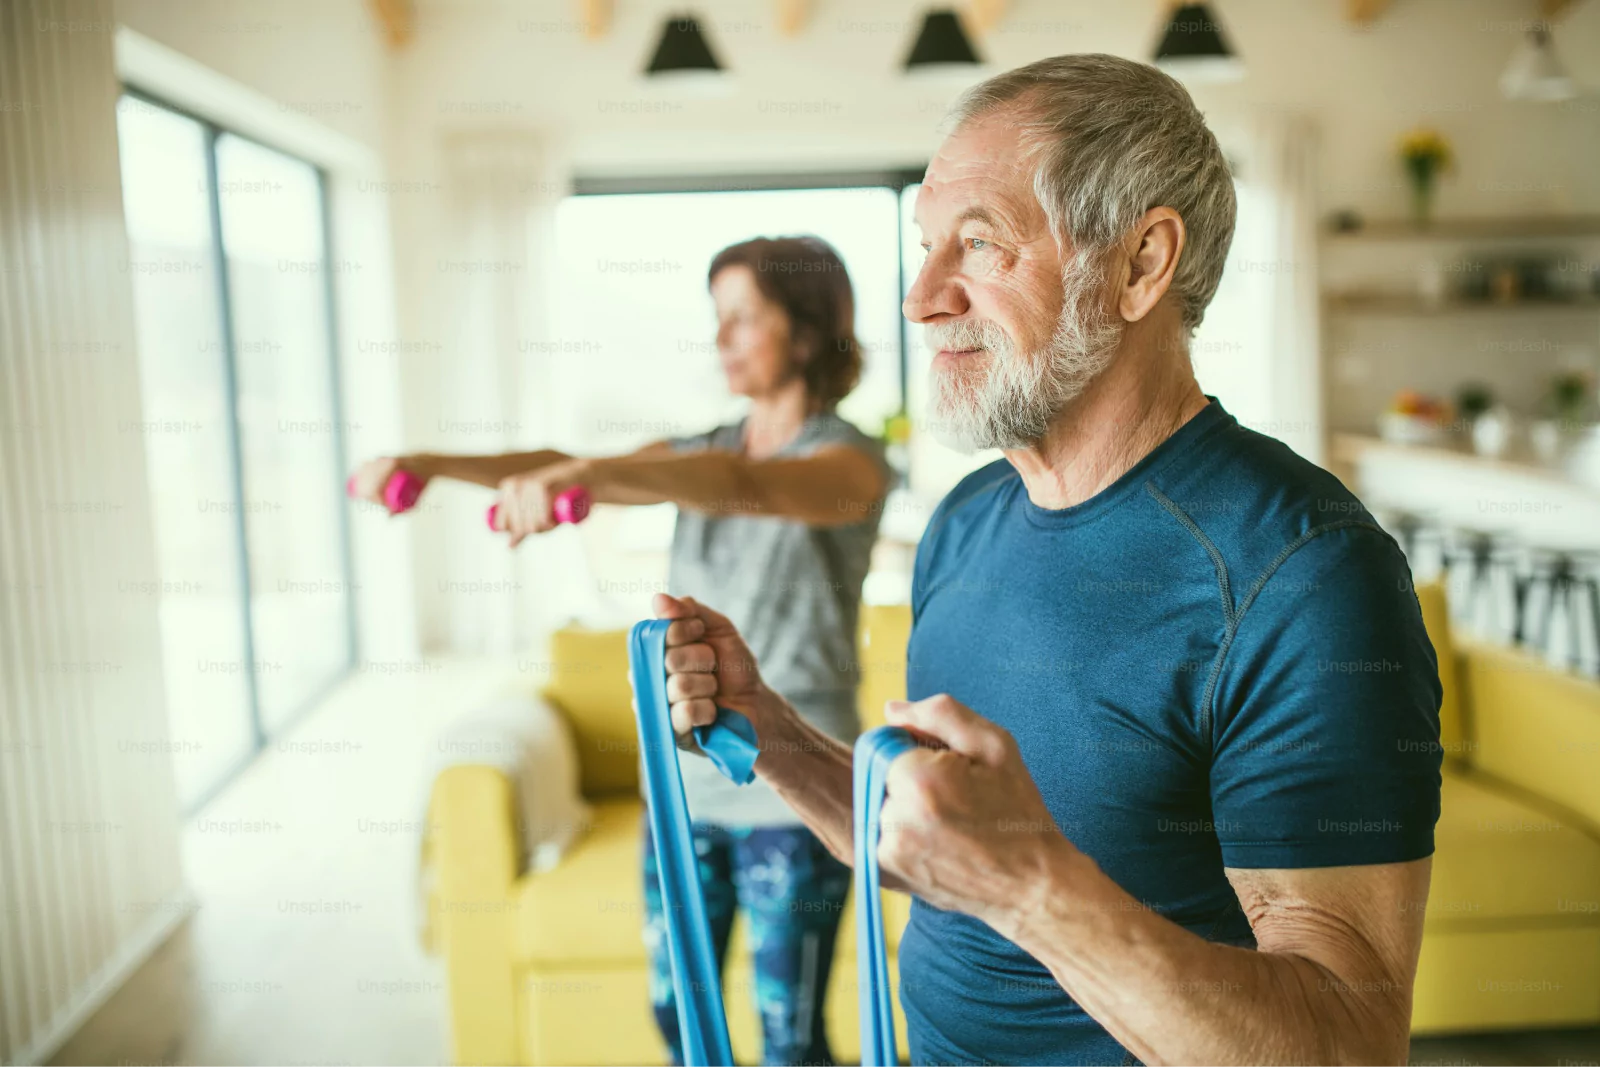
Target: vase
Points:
(1421, 199)
(1491, 432)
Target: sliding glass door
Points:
(241, 433)
(272, 236)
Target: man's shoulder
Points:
(1254, 500)
(965, 503)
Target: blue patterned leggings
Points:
(792, 892)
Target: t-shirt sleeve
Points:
(694, 442)
(1326, 713)
(834, 430)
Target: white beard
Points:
(1008, 399)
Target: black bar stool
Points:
(1570, 582)
(1486, 555)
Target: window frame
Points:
(895, 179)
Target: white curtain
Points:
(1257, 350)
(486, 280)
(1286, 165)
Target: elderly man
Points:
(1185, 807)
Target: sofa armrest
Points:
(473, 845)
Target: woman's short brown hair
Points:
(806, 277)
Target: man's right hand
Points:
(708, 664)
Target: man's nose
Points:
(935, 293)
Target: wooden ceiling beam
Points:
(397, 18)
(596, 18)
(1364, 12)
(792, 16)
(984, 15)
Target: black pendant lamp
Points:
(682, 50)
(1193, 48)
(941, 45)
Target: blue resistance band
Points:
(730, 744)
(874, 751)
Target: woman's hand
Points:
(708, 664)
(527, 500)
(370, 478)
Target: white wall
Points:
(89, 871)
(321, 59)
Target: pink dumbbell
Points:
(400, 492)
(570, 506)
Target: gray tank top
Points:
(794, 592)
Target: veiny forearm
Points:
(813, 772)
(480, 470)
(810, 770)
(1172, 997)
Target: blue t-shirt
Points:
(1218, 661)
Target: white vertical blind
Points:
(89, 875)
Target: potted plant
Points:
(1425, 154)
(1487, 423)
(1569, 407)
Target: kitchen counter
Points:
(1538, 504)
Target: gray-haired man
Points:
(1186, 808)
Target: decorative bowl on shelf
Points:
(1400, 428)
(1414, 418)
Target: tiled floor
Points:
(303, 949)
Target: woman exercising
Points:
(777, 516)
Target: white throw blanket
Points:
(529, 741)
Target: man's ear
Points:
(1153, 247)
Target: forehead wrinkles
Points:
(963, 176)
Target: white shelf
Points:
(1531, 228)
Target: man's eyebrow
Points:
(975, 213)
(979, 213)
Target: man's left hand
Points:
(965, 828)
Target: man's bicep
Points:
(1361, 925)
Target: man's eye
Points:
(978, 244)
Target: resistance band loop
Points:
(874, 751)
(730, 744)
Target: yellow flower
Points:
(1428, 148)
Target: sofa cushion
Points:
(1436, 617)
(885, 631)
(1535, 727)
(589, 911)
(1502, 856)
(1515, 978)
(587, 679)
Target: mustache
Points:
(967, 333)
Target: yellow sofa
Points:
(550, 968)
